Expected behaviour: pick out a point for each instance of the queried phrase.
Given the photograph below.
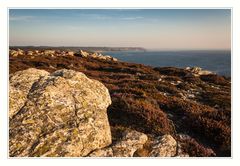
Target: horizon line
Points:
(146, 49)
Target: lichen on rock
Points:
(64, 114)
(130, 142)
(165, 146)
(20, 84)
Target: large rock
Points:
(165, 146)
(83, 53)
(104, 152)
(130, 143)
(20, 84)
(124, 147)
(70, 53)
(30, 53)
(64, 115)
(49, 52)
(13, 53)
(197, 71)
(137, 144)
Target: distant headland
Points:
(75, 48)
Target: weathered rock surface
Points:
(165, 146)
(83, 53)
(49, 52)
(197, 71)
(17, 52)
(130, 142)
(125, 147)
(137, 144)
(20, 84)
(96, 55)
(64, 114)
(59, 53)
(70, 53)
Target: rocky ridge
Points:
(57, 53)
(154, 112)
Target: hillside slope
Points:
(194, 109)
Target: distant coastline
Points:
(73, 48)
(113, 49)
(218, 61)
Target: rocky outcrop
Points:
(165, 146)
(13, 53)
(124, 147)
(197, 71)
(64, 114)
(49, 52)
(30, 53)
(130, 142)
(20, 84)
(70, 53)
(83, 53)
(137, 144)
(96, 55)
(58, 53)
(16, 53)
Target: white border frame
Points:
(233, 4)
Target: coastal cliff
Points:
(143, 111)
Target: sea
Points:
(216, 61)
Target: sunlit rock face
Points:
(126, 146)
(60, 114)
(20, 84)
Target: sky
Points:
(160, 29)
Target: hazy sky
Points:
(164, 29)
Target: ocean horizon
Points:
(216, 61)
